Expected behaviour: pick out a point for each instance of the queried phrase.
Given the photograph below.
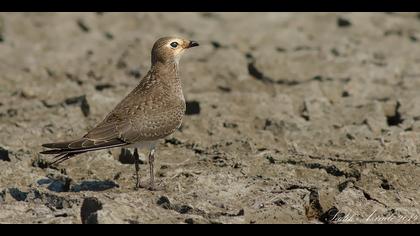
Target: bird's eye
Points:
(174, 44)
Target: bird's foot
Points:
(150, 186)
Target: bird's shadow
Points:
(94, 185)
(87, 185)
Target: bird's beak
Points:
(192, 44)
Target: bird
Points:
(153, 110)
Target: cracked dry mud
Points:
(292, 118)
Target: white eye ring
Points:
(174, 44)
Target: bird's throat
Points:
(168, 74)
(168, 69)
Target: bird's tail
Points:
(67, 150)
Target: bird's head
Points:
(170, 49)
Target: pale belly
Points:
(143, 144)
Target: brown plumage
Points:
(153, 110)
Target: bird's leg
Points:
(151, 184)
(151, 166)
(136, 165)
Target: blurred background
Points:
(292, 117)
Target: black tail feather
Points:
(64, 157)
(65, 152)
(54, 151)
